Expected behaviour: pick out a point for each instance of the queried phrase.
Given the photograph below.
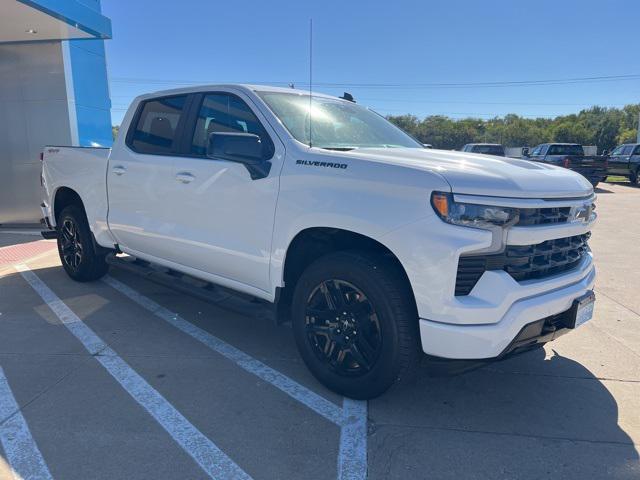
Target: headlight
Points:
(470, 215)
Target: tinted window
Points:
(489, 150)
(618, 150)
(637, 151)
(566, 150)
(221, 112)
(627, 150)
(157, 124)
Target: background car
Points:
(624, 161)
(571, 156)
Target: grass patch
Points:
(616, 179)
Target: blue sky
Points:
(391, 52)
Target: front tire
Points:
(355, 324)
(76, 247)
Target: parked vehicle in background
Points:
(624, 161)
(571, 156)
(485, 148)
(374, 247)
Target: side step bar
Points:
(217, 295)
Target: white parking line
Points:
(23, 455)
(352, 418)
(352, 457)
(315, 402)
(210, 458)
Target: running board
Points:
(49, 234)
(217, 295)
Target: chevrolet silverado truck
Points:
(571, 156)
(373, 247)
(624, 161)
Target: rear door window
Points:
(156, 127)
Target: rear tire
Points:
(355, 324)
(76, 247)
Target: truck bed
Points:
(82, 169)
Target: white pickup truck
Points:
(375, 248)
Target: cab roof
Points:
(247, 88)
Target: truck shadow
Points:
(526, 417)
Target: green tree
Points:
(630, 135)
(604, 127)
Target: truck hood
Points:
(477, 174)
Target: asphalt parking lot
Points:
(127, 378)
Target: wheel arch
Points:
(312, 243)
(63, 198)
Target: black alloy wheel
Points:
(343, 328)
(71, 245)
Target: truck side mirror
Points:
(605, 153)
(525, 151)
(240, 147)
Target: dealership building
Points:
(53, 91)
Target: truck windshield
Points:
(334, 124)
(566, 150)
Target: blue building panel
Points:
(94, 127)
(91, 92)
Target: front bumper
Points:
(492, 340)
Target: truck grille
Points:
(543, 216)
(524, 262)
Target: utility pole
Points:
(638, 127)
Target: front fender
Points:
(367, 198)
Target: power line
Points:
(461, 102)
(510, 83)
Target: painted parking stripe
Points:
(352, 456)
(23, 455)
(210, 458)
(352, 418)
(315, 402)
